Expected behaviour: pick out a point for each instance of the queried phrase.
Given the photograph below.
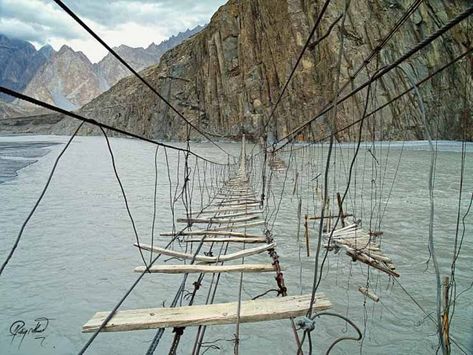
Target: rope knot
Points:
(197, 285)
(306, 323)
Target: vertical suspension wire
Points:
(155, 197)
(38, 201)
(125, 199)
(430, 183)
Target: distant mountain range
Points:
(67, 78)
(19, 62)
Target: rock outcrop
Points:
(139, 58)
(226, 78)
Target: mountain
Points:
(158, 50)
(227, 78)
(111, 70)
(138, 58)
(19, 62)
(67, 80)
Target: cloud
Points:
(33, 19)
(135, 23)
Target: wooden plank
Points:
(216, 220)
(238, 205)
(214, 314)
(225, 240)
(235, 195)
(372, 262)
(369, 293)
(231, 209)
(208, 259)
(230, 215)
(211, 232)
(343, 216)
(240, 226)
(183, 269)
(238, 199)
(239, 214)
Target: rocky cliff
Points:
(227, 78)
(139, 58)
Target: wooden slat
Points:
(208, 259)
(214, 314)
(234, 195)
(211, 232)
(240, 226)
(222, 209)
(239, 214)
(216, 220)
(238, 205)
(182, 269)
(225, 240)
(238, 201)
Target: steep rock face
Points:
(139, 58)
(227, 78)
(68, 80)
(112, 70)
(19, 62)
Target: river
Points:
(76, 255)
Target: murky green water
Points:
(76, 256)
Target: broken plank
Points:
(213, 314)
(183, 269)
(208, 259)
(368, 293)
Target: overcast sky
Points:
(136, 23)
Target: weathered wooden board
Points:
(212, 232)
(239, 200)
(240, 226)
(182, 269)
(214, 314)
(225, 240)
(238, 204)
(239, 214)
(219, 220)
(230, 209)
(208, 259)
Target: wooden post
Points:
(306, 234)
(340, 207)
(445, 320)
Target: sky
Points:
(136, 23)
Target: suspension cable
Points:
(96, 123)
(115, 54)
